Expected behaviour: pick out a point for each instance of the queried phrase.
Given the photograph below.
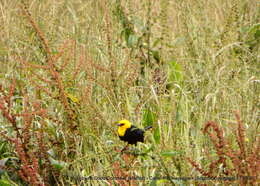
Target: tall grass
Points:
(79, 66)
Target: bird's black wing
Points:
(133, 135)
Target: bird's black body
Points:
(134, 135)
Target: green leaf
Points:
(175, 72)
(253, 29)
(170, 153)
(57, 164)
(257, 34)
(156, 42)
(157, 135)
(3, 147)
(4, 182)
(126, 33)
(146, 151)
(132, 40)
(148, 118)
(156, 55)
(161, 181)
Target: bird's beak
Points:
(119, 124)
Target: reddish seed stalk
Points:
(243, 164)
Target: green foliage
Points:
(4, 150)
(127, 31)
(149, 118)
(252, 36)
(157, 135)
(5, 179)
(58, 164)
(175, 72)
(6, 182)
(170, 153)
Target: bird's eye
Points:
(120, 124)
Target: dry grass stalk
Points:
(109, 41)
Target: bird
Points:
(130, 133)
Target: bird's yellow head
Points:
(123, 125)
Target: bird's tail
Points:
(147, 128)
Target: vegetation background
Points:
(70, 69)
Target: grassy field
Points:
(71, 69)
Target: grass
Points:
(70, 69)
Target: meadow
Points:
(71, 69)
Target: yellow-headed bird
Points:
(130, 133)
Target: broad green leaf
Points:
(157, 135)
(257, 34)
(156, 42)
(156, 55)
(170, 153)
(175, 72)
(148, 118)
(3, 147)
(57, 164)
(127, 32)
(254, 28)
